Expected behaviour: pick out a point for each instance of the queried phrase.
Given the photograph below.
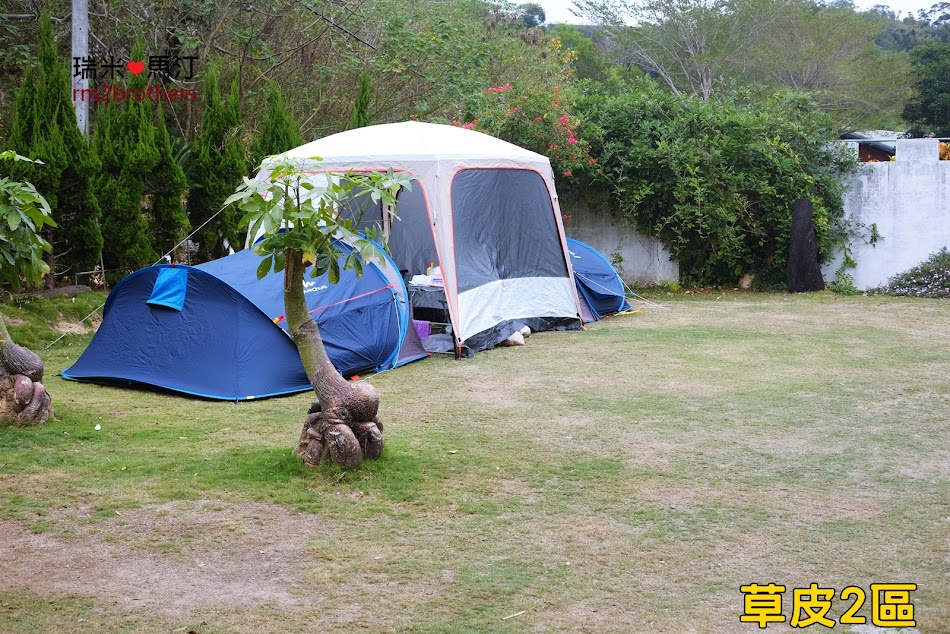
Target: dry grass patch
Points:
(625, 479)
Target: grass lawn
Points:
(626, 479)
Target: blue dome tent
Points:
(216, 331)
(599, 287)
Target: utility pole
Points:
(80, 52)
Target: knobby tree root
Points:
(24, 400)
(347, 432)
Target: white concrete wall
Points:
(909, 201)
(645, 260)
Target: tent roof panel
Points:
(411, 141)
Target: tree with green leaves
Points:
(587, 61)
(364, 94)
(531, 14)
(708, 48)
(24, 212)
(298, 214)
(166, 185)
(125, 142)
(218, 165)
(689, 45)
(928, 110)
(830, 53)
(44, 127)
(279, 133)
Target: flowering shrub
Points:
(537, 119)
(930, 278)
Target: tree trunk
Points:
(23, 398)
(344, 425)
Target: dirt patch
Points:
(63, 291)
(173, 559)
(73, 328)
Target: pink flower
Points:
(514, 110)
(567, 173)
(553, 147)
(565, 119)
(572, 141)
(469, 126)
(538, 119)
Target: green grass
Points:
(625, 479)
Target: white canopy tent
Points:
(484, 210)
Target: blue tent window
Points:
(170, 288)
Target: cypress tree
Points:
(125, 142)
(167, 184)
(219, 166)
(361, 117)
(45, 128)
(279, 132)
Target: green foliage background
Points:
(928, 109)
(45, 128)
(715, 180)
(218, 166)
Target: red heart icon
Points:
(136, 67)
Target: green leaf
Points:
(264, 268)
(13, 220)
(255, 228)
(272, 221)
(233, 198)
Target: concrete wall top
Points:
(908, 199)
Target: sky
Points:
(560, 10)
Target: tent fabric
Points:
(599, 287)
(216, 346)
(170, 288)
(484, 210)
(229, 339)
(344, 311)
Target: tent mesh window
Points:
(504, 227)
(411, 242)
